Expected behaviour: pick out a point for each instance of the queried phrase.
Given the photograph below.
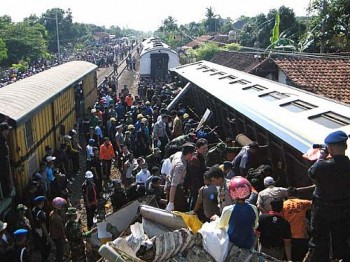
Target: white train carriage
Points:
(289, 119)
(156, 59)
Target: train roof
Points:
(298, 117)
(20, 99)
(155, 44)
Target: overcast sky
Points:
(146, 15)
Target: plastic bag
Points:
(215, 241)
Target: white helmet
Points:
(89, 174)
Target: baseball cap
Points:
(269, 181)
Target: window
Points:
(331, 120)
(298, 106)
(273, 96)
(218, 73)
(210, 70)
(229, 77)
(255, 88)
(29, 133)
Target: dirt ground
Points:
(129, 78)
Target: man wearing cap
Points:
(177, 195)
(5, 174)
(41, 234)
(331, 201)
(19, 251)
(271, 192)
(90, 197)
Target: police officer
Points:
(19, 251)
(331, 201)
(41, 236)
(76, 236)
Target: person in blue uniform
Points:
(19, 251)
(330, 212)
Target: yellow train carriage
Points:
(38, 107)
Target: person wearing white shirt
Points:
(143, 175)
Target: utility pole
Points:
(58, 41)
(323, 27)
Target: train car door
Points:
(159, 65)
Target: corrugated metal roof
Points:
(19, 99)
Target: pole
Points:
(58, 41)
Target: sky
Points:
(146, 15)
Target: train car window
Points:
(29, 133)
(255, 88)
(240, 82)
(218, 73)
(273, 96)
(297, 106)
(229, 77)
(210, 70)
(331, 120)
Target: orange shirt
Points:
(294, 211)
(129, 100)
(106, 152)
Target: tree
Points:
(211, 23)
(3, 50)
(332, 22)
(66, 32)
(24, 42)
(207, 51)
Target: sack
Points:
(215, 241)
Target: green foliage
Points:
(332, 25)
(232, 47)
(21, 67)
(23, 41)
(3, 50)
(207, 51)
(275, 31)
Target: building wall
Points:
(282, 78)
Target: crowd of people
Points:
(162, 151)
(102, 53)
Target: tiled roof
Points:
(327, 77)
(236, 60)
(199, 40)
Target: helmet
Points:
(89, 174)
(59, 203)
(240, 188)
(91, 141)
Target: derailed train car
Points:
(40, 108)
(156, 59)
(287, 119)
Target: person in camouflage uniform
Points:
(175, 145)
(76, 236)
(217, 154)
